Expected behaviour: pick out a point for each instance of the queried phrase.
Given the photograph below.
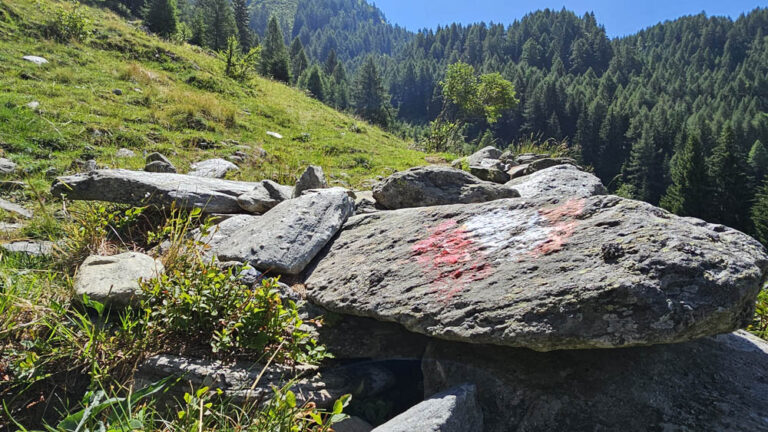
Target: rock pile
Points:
(531, 302)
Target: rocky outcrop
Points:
(436, 185)
(15, 209)
(311, 178)
(712, 384)
(285, 239)
(114, 280)
(600, 272)
(213, 168)
(266, 195)
(36, 248)
(558, 181)
(454, 410)
(142, 188)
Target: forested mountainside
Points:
(629, 106)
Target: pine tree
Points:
(162, 17)
(219, 21)
(730, 180)
(370, 97)
(245, 35)
(688, 194)
(340, 88)
(274, 56)
(760, 214)
(330, 62)
(758, 160)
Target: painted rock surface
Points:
(597, 272)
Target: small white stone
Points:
(35, 59)
(274, 135)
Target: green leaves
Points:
(488, 95)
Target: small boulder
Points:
(489, 152)
(157, 163)
(7, 166)
(266, 195)
(436, 185)
(125, 153)
(491, 170)
(312, 178)
(117, 92)
(353, 424)
(213, 168)
(115, 279)
(35, 59)
(455, 410)
(537, 165)
(274, 135)
(558, 181)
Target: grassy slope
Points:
(160, 110)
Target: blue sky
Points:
(619, 17)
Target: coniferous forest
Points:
(674, 115)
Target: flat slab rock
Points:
(712, 384)
(37, 248)
(213, 168)
(436, 185)
(142, 188)
(558, 181)
(454, 410)
(600, 272)
(286, 239)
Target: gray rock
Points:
(114, 280)
(489, 152)
(213, 168)
(491, 170)
(223, 233)
(599, 272)
(436, 185)
(312, 178)
(125, 153)
(285, 239)
(274, 135)
(537, 165)
(455, 410)
(15, 209)
(365, 202)
(353, 424)
(558, 181)
(159, 167)
(37, 248)
(35, 59)
(459, 163)
(33, 105)
(265, 196)
(117, 92)
(508, 157)
(712, 384)
(7, 166)
(10, 227)
(142, 188)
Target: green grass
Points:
(173, 96)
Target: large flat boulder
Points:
(436, 185)
(712, 384)
(285, 239)
(142, 188)
(115, 279)
(454, 410)
(600, 272)
(558, 181)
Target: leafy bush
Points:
(70, 22)
(238, 65)
(760, 324)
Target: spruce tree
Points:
(330, 63)
(299, 60)
(162, 17)
(340, 88)
(314, 83)
(728, 171)
(760, 214)
(274, 56)
(688, 195)
(370, 97)
(219, 21)
(758, 160)
(245, 35)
